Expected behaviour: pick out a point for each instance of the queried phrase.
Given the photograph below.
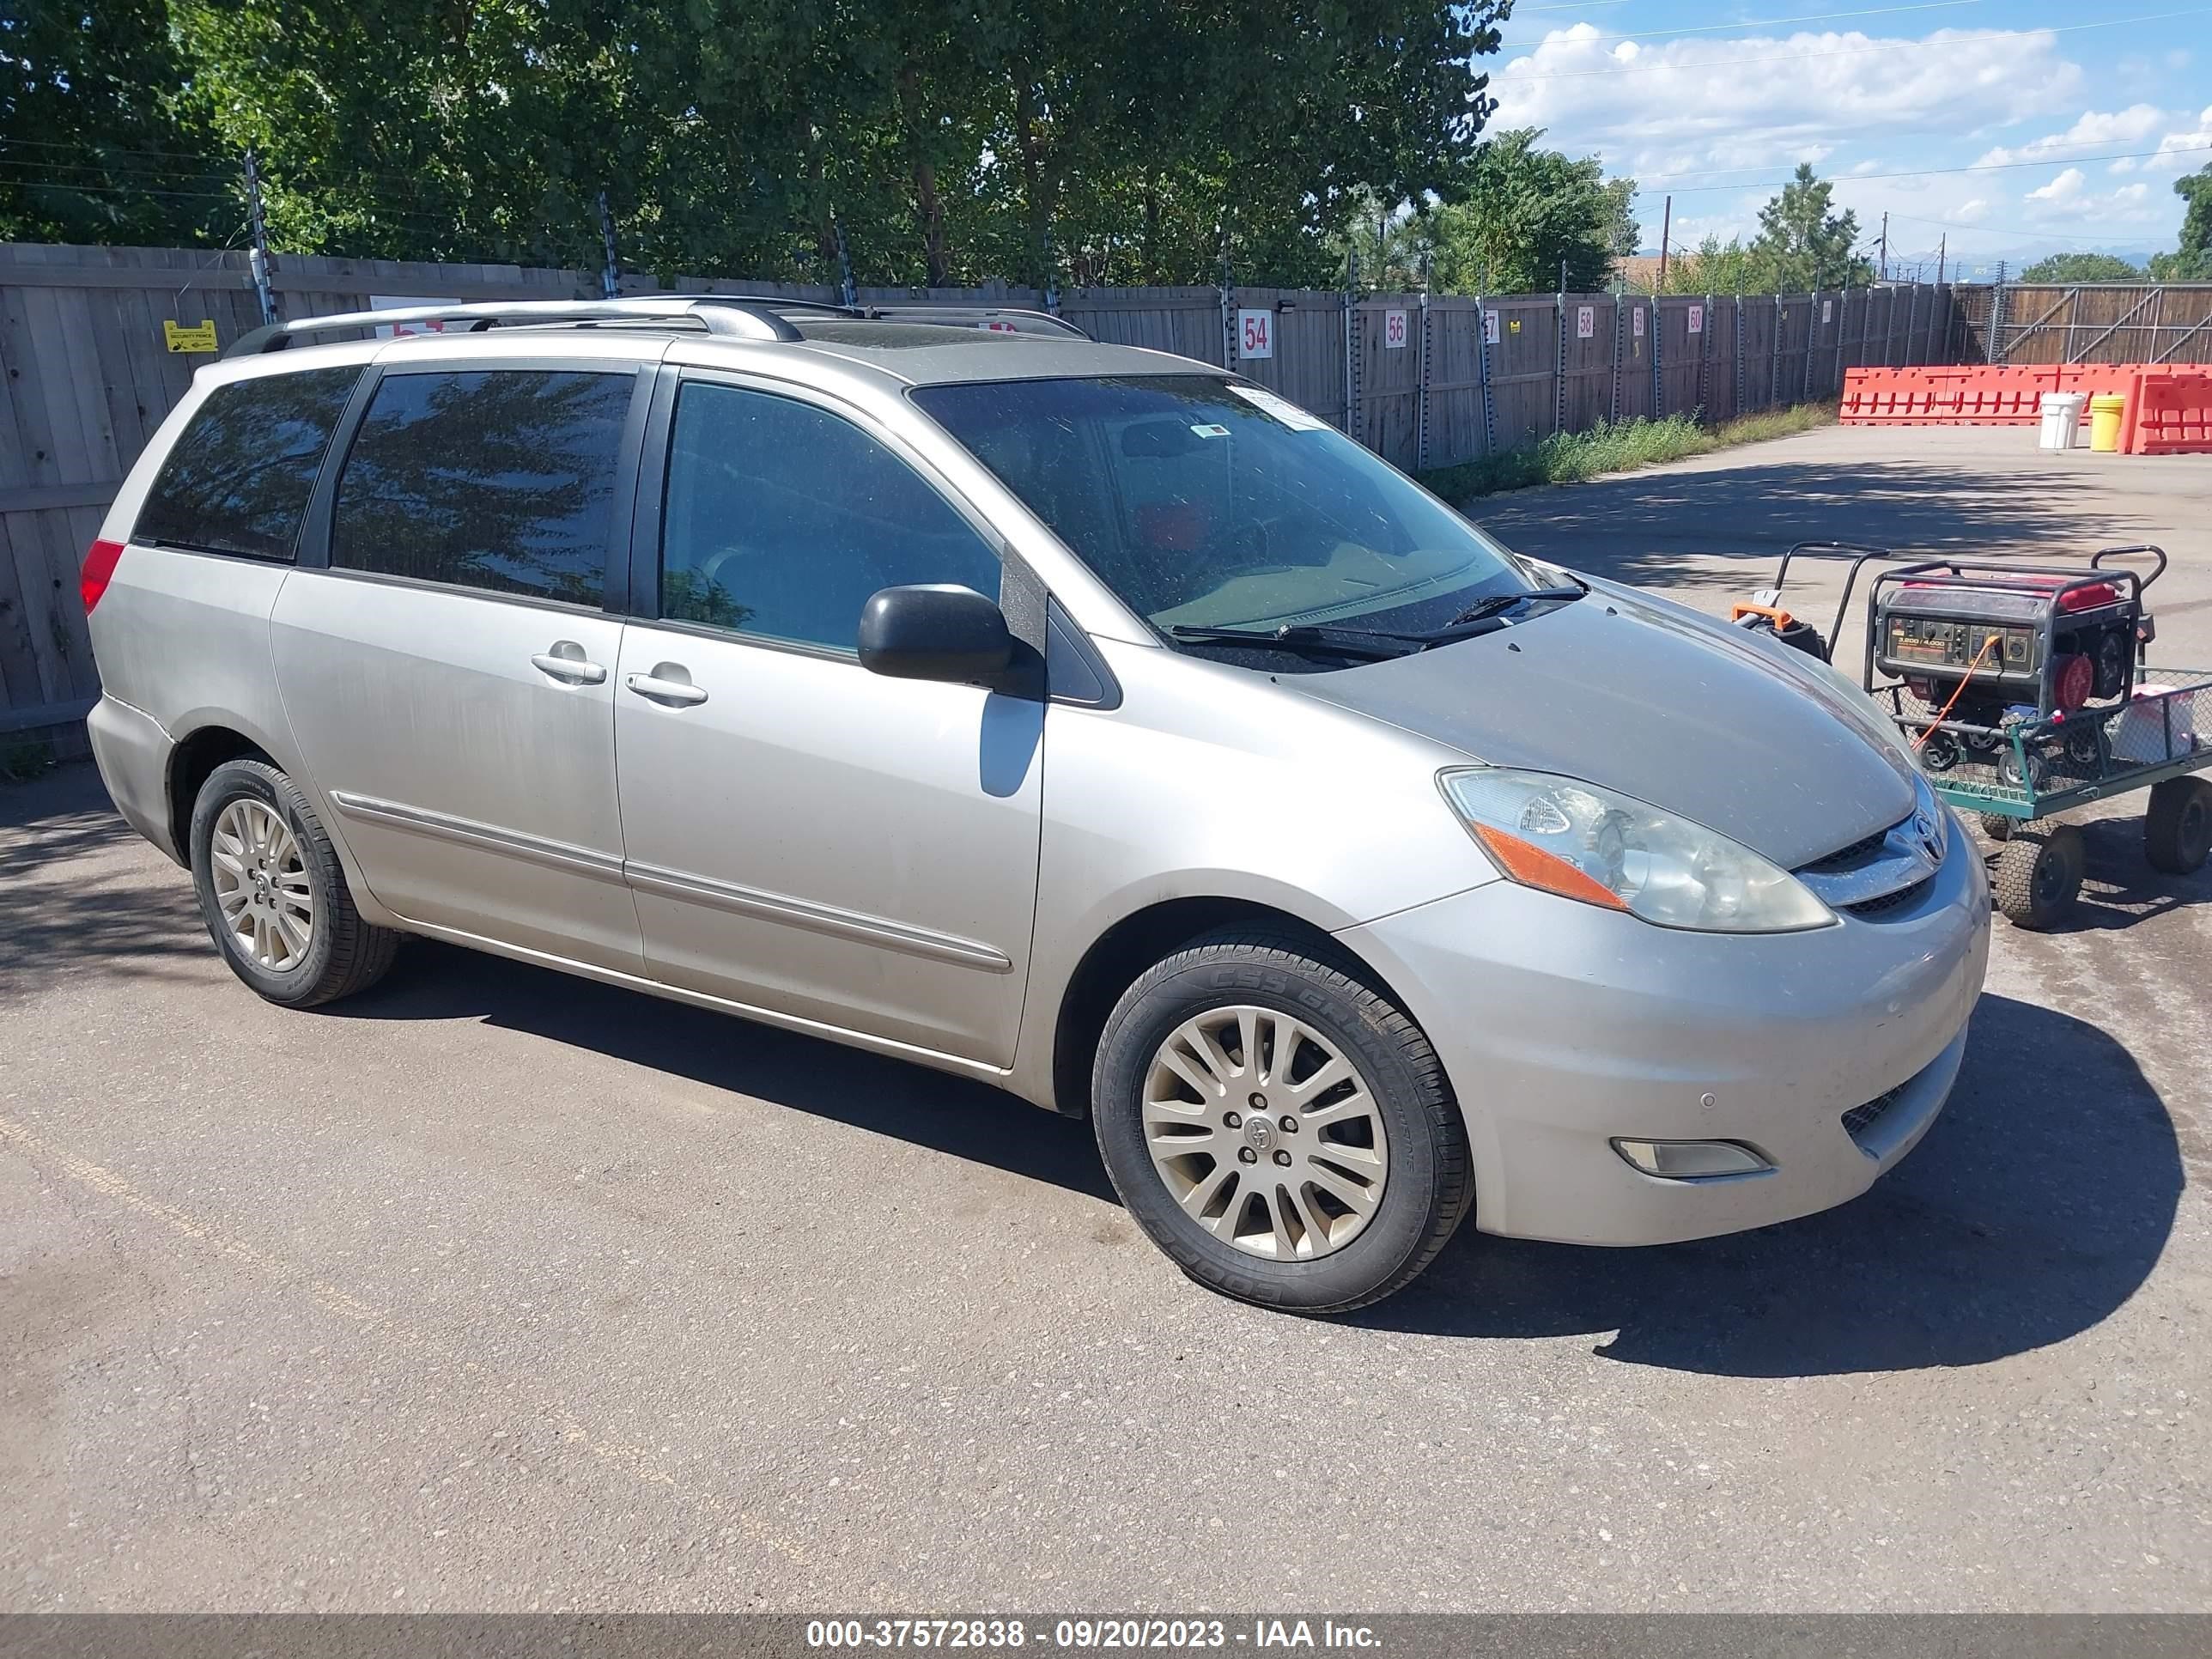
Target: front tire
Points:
(2039, 872)
(273, 893)
(1278, 1127)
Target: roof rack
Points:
(1016, 320)
(729, 315)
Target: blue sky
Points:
(1717, 103)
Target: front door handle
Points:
(565, 662)
(680, 693)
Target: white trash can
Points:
(2061, 417)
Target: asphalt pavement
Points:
(493, 1289)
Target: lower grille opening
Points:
(1860, 1119)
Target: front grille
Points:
(1860, 1119)
(1888, 901)
(1844, 857)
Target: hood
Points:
(1649, 698)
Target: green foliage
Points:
(947, 143)
(2083, 268)
(1622, 446)
(1515, 213)
(1801, 245)
(2192, 261)
(1713, 267)
(94, 145)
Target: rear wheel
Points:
(1281, 1129)
(2177, 829)
(273, 893)
(1997, 826)
(2038, 874)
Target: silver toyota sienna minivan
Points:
(1076, 717)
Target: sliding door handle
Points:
(570, 669)
(678, 693)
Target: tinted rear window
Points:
(499, 479)
(238, 479)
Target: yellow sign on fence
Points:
(200, 336)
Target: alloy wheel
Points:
(1265, 1132)
(261, 886)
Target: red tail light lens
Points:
(100, 562)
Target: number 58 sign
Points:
(1255, 334)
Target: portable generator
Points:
(1977, 639)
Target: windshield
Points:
(1209, 503)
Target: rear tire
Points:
(1298, 1193)
(273, 893)
(1997, 826)
(2177, 828)
(2038, 874)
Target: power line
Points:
(1765, 23)
(1502, 81)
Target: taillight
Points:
(100, 561)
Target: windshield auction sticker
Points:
(1281, 408)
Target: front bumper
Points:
(132, 752)
(1563, 1025)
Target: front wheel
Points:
(1278, 1127)
(2038, 874)
(273, 893)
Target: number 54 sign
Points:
(1255, 334)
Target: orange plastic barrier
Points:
(1919, 396)
(2169, 413)
(2007, 396)
(1946, 394)
(1991, 394)
(2095, 378)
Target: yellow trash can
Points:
(2106, 411)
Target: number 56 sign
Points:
(1255, 334)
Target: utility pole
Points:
(1942, 246)
(1666, 229)
(257, 258)
(1884, 245)
(610, 272)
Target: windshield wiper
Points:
(1307, 638)
(1497, 603)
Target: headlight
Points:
(1583, 842)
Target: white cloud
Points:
(2067, 203)
(2131, 125)
(2186, 150)
(2064, 191)
(1762, 102)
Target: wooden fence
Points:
(2085, 323)
(1425, 381)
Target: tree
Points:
(2192, 261)
(1517, 213)
(1623, 233)
(95, 148)
(1713, 267)
(1801, 245)
(2082, 268)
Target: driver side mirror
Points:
(937, 631)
